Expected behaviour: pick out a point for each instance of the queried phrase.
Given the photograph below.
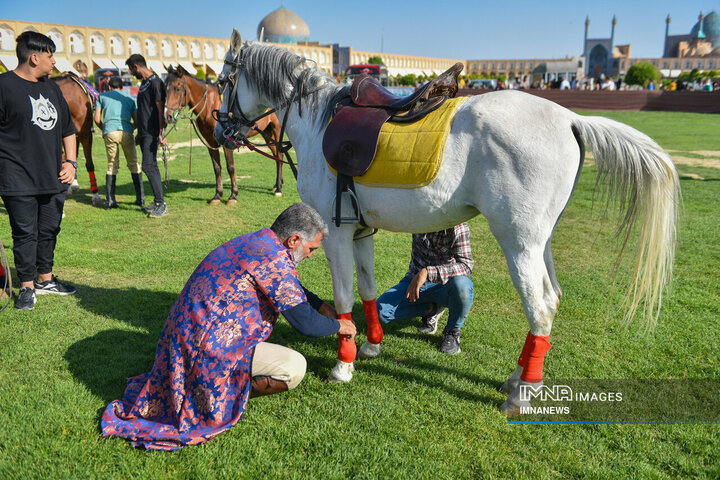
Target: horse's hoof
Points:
(510, 385)
(214, 201)
(97, 200)
(368, 350)
(231, 201)
(278, 194)
(510, 409)
(74, 186)
(342, 372)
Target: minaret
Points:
(585, 45)
(701, 32)
(612, 46)
(667, 34)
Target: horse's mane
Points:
(272, 68)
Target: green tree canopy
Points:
(375, 60)
(641, 73)
(408, 79)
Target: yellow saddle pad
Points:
(409, 155)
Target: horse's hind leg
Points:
(86, 141)
(215, 157)
(230, 163)
(364, 252)
(529, 273)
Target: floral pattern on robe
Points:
(200, 382)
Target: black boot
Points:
(139, 192)
(110, 186)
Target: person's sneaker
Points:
(430, 322)
(451, 342)
(160, 211)
(25, 299)
(149, 208)
(54, 287)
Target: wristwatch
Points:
(71, 162)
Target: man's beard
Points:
(297, 254)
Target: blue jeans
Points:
(456, 295)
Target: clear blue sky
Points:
(467, 30)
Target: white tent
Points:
(63, 65)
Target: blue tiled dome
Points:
(711, 28)
(284, 26)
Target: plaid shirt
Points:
(445, 254)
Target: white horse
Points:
(511, 156)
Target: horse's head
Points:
(176, 92)
(240, 103)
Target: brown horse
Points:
(202, 98)
(81, 110)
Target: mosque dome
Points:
(283, 26)
(711, 28)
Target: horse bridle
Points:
(185, 100)
(232, 123)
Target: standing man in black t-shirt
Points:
(150, 125)
(35, 125)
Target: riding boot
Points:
(139, 192)
(263, 385)
(110, 187)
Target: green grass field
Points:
(412, 412)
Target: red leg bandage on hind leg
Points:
(347, 348)
(93, 182)
(534, 351)
(375, 331)
(2, 271)
(522, 359)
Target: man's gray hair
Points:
(301, 219)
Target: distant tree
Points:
(375, 60)
(641, 73)
(200, 73)
(711, 74)
(408, 79)
(2, 69)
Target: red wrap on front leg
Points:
(522, 359)
(375, 331)
(2, 271)
(347, 348)
(93, 182)
(537, 346)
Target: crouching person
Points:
(212, 355)
(438, 279)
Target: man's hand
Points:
(347, 327)
(327, 310)
(413, 291)
(162, 140)
(67, 174)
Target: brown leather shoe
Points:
(264, 385)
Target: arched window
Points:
(195, 50)
(166, 47)
(7, 38)
(97, 44)
(117, 46)
(209, 50)
(181, 49)
(220, 50)
(77, 42)
(134, 45)
(151, 47)
(57, 38)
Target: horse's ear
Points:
(235, 41)
(180, 71)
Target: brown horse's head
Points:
(177, 94)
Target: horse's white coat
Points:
(512, 157)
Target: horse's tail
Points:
(638, 176)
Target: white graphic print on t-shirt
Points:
(44, 113)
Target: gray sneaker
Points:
(25, 299)
(54, 287)
(430, 322)
(160, 210)
(451, 342)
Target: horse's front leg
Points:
(279, 174)
(338, 250)
(215, 157)
(230, 163)
(364, 250)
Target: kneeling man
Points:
(212, 355)
(438, 278)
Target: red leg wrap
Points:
(522, 359)
(93, 182)
(375, 331)
(2, 271)
(535, 358)
(347, 348)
